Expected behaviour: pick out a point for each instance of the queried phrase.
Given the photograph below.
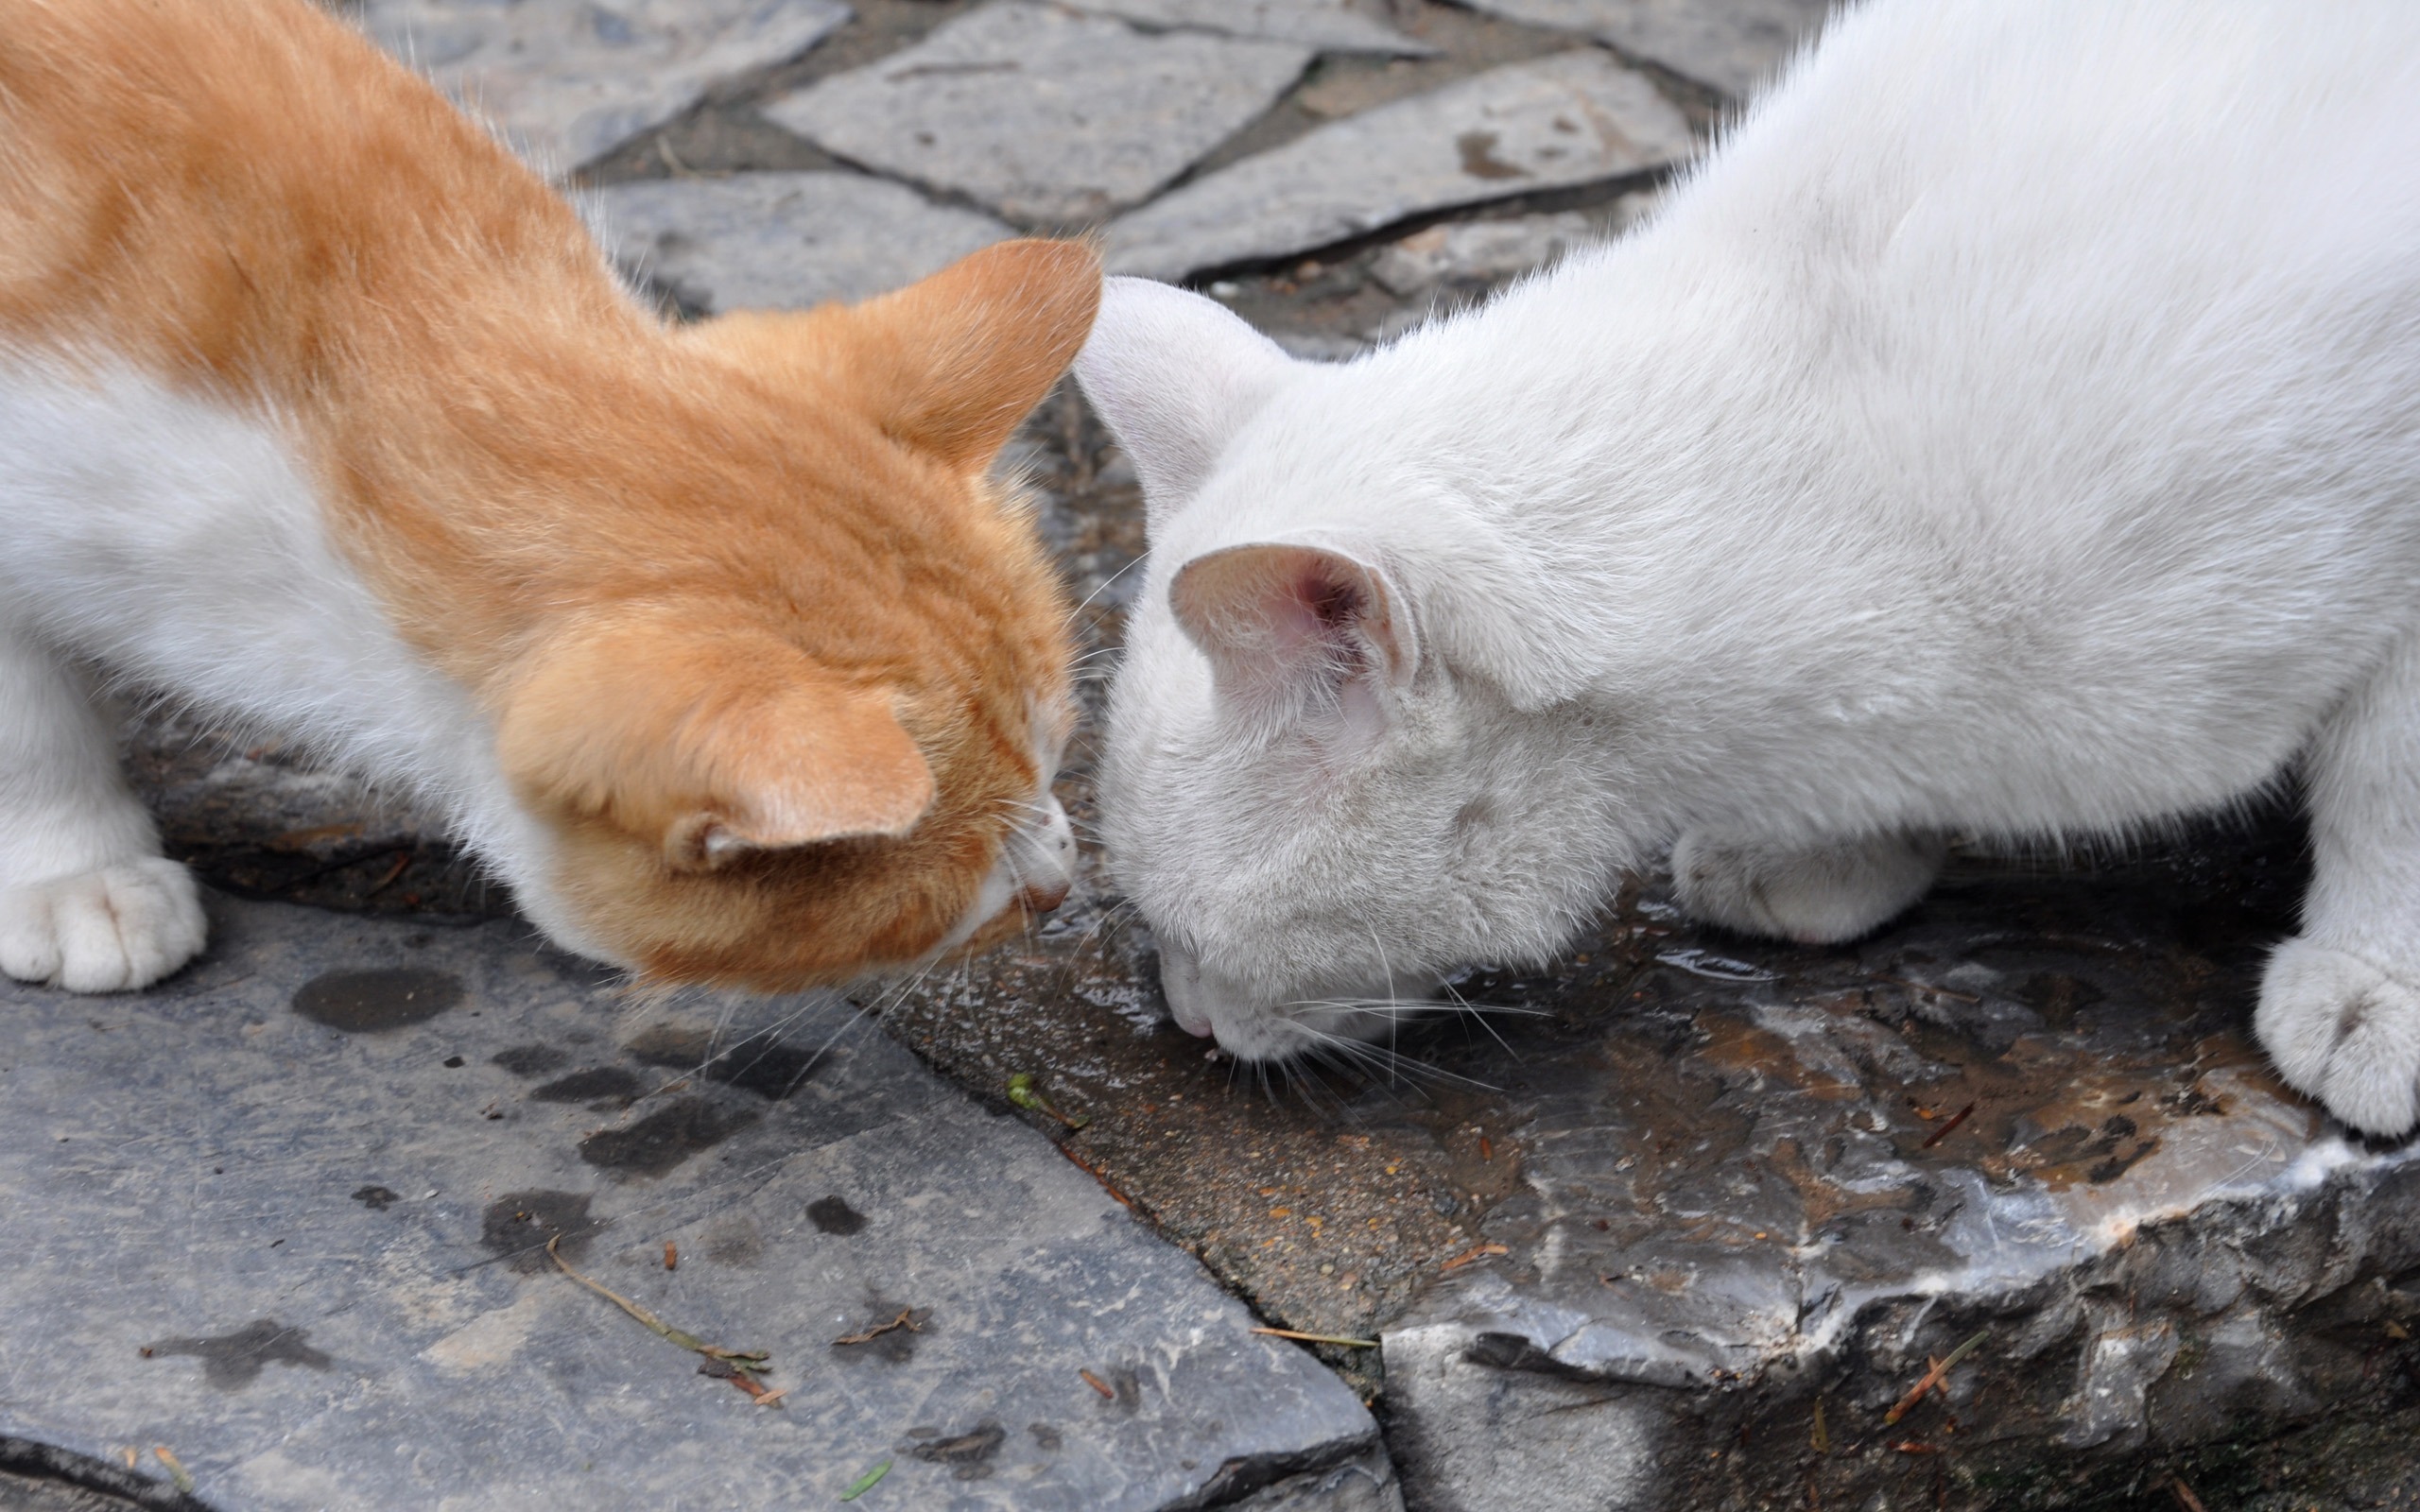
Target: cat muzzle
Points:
(1042, 896)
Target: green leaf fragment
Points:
(866, 1483)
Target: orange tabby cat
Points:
(318, 409)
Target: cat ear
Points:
(1175, 375)
(709, 746)
(948, 364)
(971, 349)
(1274, 617)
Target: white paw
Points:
(114, 930)
(1815, 897)
(2343, 1031)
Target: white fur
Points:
(2013, 426)
(176, 542)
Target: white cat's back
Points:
(2075, 345)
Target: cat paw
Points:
(1815, 896)
(114, 930)
(2344, 1032)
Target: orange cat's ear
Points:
(949, 365)
(953, 363)
(710, 745)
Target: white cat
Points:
(2011, 427)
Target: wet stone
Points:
(833, 1215)
(1731, 45)
(531, 1060)
(374, 1002)
(565, 82)
(1572, 118)
(587, 1086)
(173, 1157)
(665, 1138)
(1049, 116)
(519, 1226)
(233, 1361)
(782, 241)
(763, 1063)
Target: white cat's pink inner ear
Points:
(1275, 613)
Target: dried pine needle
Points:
(1319, 1338)
(1935, 1376)
(176, 1467)
(745, 1363)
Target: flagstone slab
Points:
(568, 80)
(288, 1214)
(1327, 24)
(783, 241)
(1050, 117)
(1732, 45)
(1570, 118)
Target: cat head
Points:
(797, 717)
(1336, 764)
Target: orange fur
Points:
(763, 647)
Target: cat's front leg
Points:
(87, 901)
(2340, 1003)
(1815, 895)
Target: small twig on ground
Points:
(1098, 1384)
(1091, 1170)
(2183, 1494)
(402, 864)
(1821, 1438)
(176, 1467)
(672, 1255)
(1955, 1119)
(1319, 1338)
(745, 1363)
(1935, 1376)
(1480, 1252)
(906, 1319)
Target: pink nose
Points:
(1040, 897)
(1199, 1031)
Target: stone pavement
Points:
(1679, 1224)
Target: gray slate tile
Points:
(783, 240)
(568, 80)
(1047, 115)
(1569, 118)
(328, 1235)
(1730, 44)
(1481, 251)
(1327, 24)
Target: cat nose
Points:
(1055, 840)
(1042, 896)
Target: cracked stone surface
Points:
(287, 1215)
(1329, 25)
(1731, 45)
(783, 240)
(1572, 118)
(1047, 115)
(566, 81)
